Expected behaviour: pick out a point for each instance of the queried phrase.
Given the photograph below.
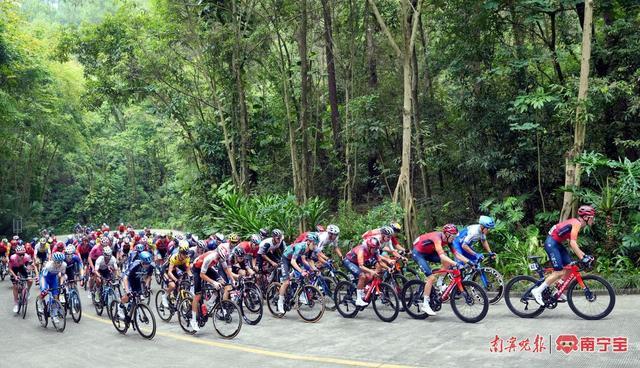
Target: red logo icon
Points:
(567, 343)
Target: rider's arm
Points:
(573, 242)
(444, 258)
(468, 249)
(170, 271)
(485, 244)
(360, 256)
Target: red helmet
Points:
(373, 242)
(450, 229)
(586, 210)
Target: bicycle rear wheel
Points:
(310, 302)
(251, 304)
(165, 313)
(74, 306)
(120, 324)
(596, 300)
(344, 297)
(58, 316)
(24, 300)
(227, 319)
(185, 315)
(327, 286)
(385, 303)
(144, 321)
(412, 296)
(470, 304)
(97, 302)
(272, 299)
(492, 283)
(518, 298)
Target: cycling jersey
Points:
(210, 260)
(73, 265)
(102, 265)
(248, 248)
(95, 253)
(51, 268)
(295, 250)
(426, 243)
(470, 235)
(376, 233)
(563, 231)
(268, 246)
(368, 254)
(175, 261)
(16, 261)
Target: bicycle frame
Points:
(457, 281)
(574, 274)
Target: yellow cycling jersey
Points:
(176, 262)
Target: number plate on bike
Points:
(533, 266)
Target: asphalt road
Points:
(440, 341)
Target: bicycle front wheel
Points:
(58, 316)
(227, 319)
(119, 323)
(165, 313)
(144, 321)
(185, 315)
(310, 302)
(385, 303)
(470, 304)
(492, 282)
(517, 296)
(251, 304)
(272, 299)
(75, 306)
(344, 297)
(24, 302)
(596, 300)
(412, 296)
(41, 313)
(327, 285)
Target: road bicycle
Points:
(135, 314)
(102, 298)
(70, 299)
(4, 269)
(305, 298)
(23, 296)
(248, 297)
(589, 296)
(326, 284)
(468, 300)
(489, 278)
(225, 314)
(180, 293)
(380, 294)
(49, 307)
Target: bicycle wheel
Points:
(272, 299)
(24, 301)
(596, 300)
(518, 298)
(97, 303)
(165, 313)
(74, 306)
(58, 316)
(412, 296)
(144, 321)
(327, 286)
(185, 315)
(385, 303)
(491, 281)
(227, 319)
(344, 297)
(470, 304)
(158, 276)
(146, 294)
(251, 304)
(411, 274)
(41, 312)
(310, 302)
(121, 324)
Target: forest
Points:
(231, 115)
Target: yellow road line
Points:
(271, 353)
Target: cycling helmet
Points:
(139, 247)
(238, 252)
(202, 244)
(212, 244)
(20, 249)
(223, 251)
(161, 235)
(386, 230)
(105, 241)
(586, 211)
(16, 237)
(70, 249)
(145, 257)
(373, 242)
(276, 233)
(42, 240)
(313, 236)
(179, 237)
(170, 234)
(333, 229)
(264, 232)
(183, 243)
(487, 222)
(189, 235)
(396, 227)
(183, 248)
(255, 239)
(220, 237)
(58, 257)
(450, 229)
(5, 240)
(107, 252)
(234, 238)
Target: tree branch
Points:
(392, 42)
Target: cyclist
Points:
(268, 248)
(204, 270)
(105, 266)
(18, 264)
(177, 262)
(295, 255)
(140, 271)
(134, 255)
(4, 250)
(161, 248)
(52, 271)
(250, 249)
(328, 237)
(42, 249)
(363, 261)
(567, 230)
(74, 263)
(429, 248)
(95, 253)
(264, 233)
(391, 231)
(462, 244)
(239, 265)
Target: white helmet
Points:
(223, 251)
(107, 251)
(70, 249)
(333, 229)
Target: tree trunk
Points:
(572, 170)
(331, 81)
(304, 97)
(371, 51)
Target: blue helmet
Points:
(139, 247)
(313, 236)
(58, 256)
(487, 222)
(212, 244)
(145, 257)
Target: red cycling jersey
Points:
(564, 230)
(426, 243)
(249, 249)
(375, 232)
(367, 253)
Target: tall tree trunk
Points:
(237, 66)
(304, 97)
(572, 170)
(371, 50)
(131, 173)
(331, 80)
